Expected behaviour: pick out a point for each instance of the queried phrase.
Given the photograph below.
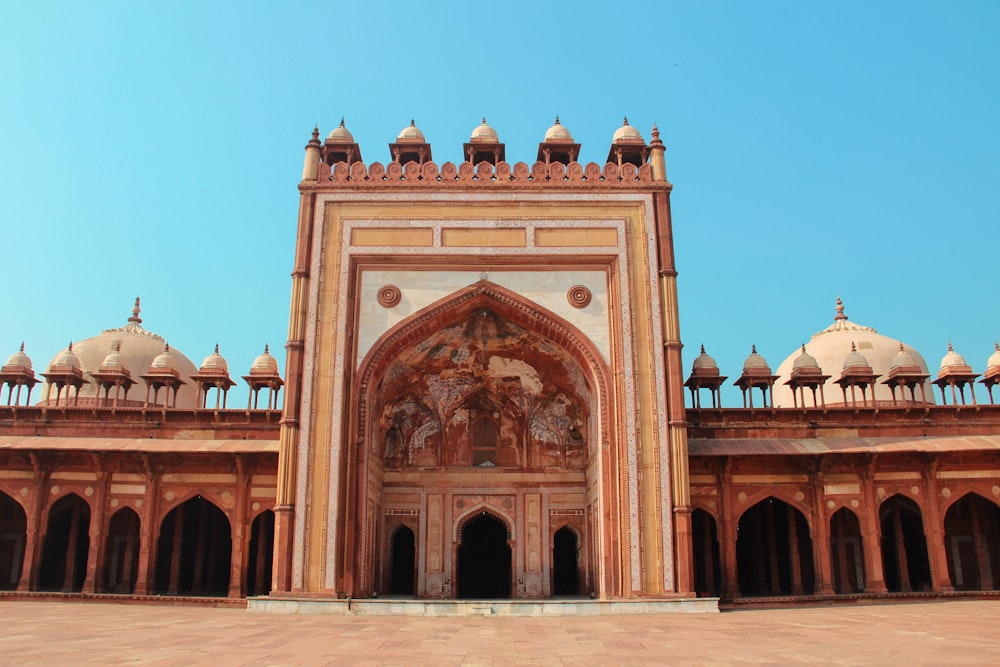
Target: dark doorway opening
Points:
(484, 559)
(67, 543)
(402, 555)
(705, 538)
(261, 554)
(13, 524)
(565, 562)
(774, 551)
(121, 559)
(972, 541)
(904, 547)
(194, 550)
(846, 552)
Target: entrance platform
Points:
(468, 608)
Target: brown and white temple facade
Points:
(484, 397)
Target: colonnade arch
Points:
(847, 552)
(972, 543)
(261, 555)
(774, 550)
(13, 531)
(121, 554)
(904, 546)
(66, 545)
(707, 562)
(194, 550)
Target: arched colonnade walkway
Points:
(83, 546)
(778, 548)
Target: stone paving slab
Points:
(80, 633)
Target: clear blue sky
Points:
(816, 149)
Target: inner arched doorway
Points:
(845, 550)
(258, 576)
(194, 550)
(12, 535)
(972, 543)
(904, 547)
(121, 560)
(484, 559)
(774, 550)
(565, 562)
(705, 540)
(402, 557)
(67, 543)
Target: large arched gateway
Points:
(483, 403)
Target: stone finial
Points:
(625, 122)
(753, 349)
(950, 348)
(135, 312)
(557, 120)
(840, 311)
(216, 348)
(22, 347)
(703, 348)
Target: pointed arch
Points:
(972, 543)
(774, 550)
(121, 553)
(904, 546)
(194, 549)
(13, 532)
(66, 545)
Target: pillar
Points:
(871, 533)
(934, 532)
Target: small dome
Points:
(19, 358)
(627, 133)
(485, 133)
(755, 361)
(411, 134)
(994, 360)
(856, 360)
(805, 360)
(902, 358)
(115, 358)
(558, 132)
(215, 361)
(67, 358)
(703, 360)
(952, 358)
(265, 363)
(164, 360)
(340, 135)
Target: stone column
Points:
(934, 531)
(871, 532)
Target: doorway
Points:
(565, 572)
(403, 558)
(484, 559)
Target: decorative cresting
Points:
(481, 509)
(486, 174)
(463, 303)
(389, 296)
(579, 296)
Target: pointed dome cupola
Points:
(806, 373)
(484, 146)
(857, 373)
(113, 373)
(214, 374)
(264, 375)
(163, 373)
(628, 146)
(831, 348)
(705, 375)
(410, 146)
(955, 373)
(992, 375)
(341, 147)
(65, 371)
(905, 372)
(558, 145)
(756, 373)
(17, 372)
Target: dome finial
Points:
(996, 345)
(753, 349)
(70, 346)
(135, 312)
(803, 348)
(950, 348)
(267, 349)
(854, 348)
(557, 119)
(625, 122)
(22, 347)
(840, 311)
(342, 121)
(216, 348)
(413, 123)
(703, 348)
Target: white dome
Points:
(66, 358)
(485, 134)
(755, 361)
(952, 359)
(703, 360)
(558, 132)
(164, 360)
(805, 360)
(265, 363)
(831, 348)
(410, 134)
(19, 358)
(215, 361)
(994, 360)
(138, 349)
(114, 359)
(627, 133)
(340, 135)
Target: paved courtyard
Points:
(78, 633)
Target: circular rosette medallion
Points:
(389, 296)
(579, 296)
